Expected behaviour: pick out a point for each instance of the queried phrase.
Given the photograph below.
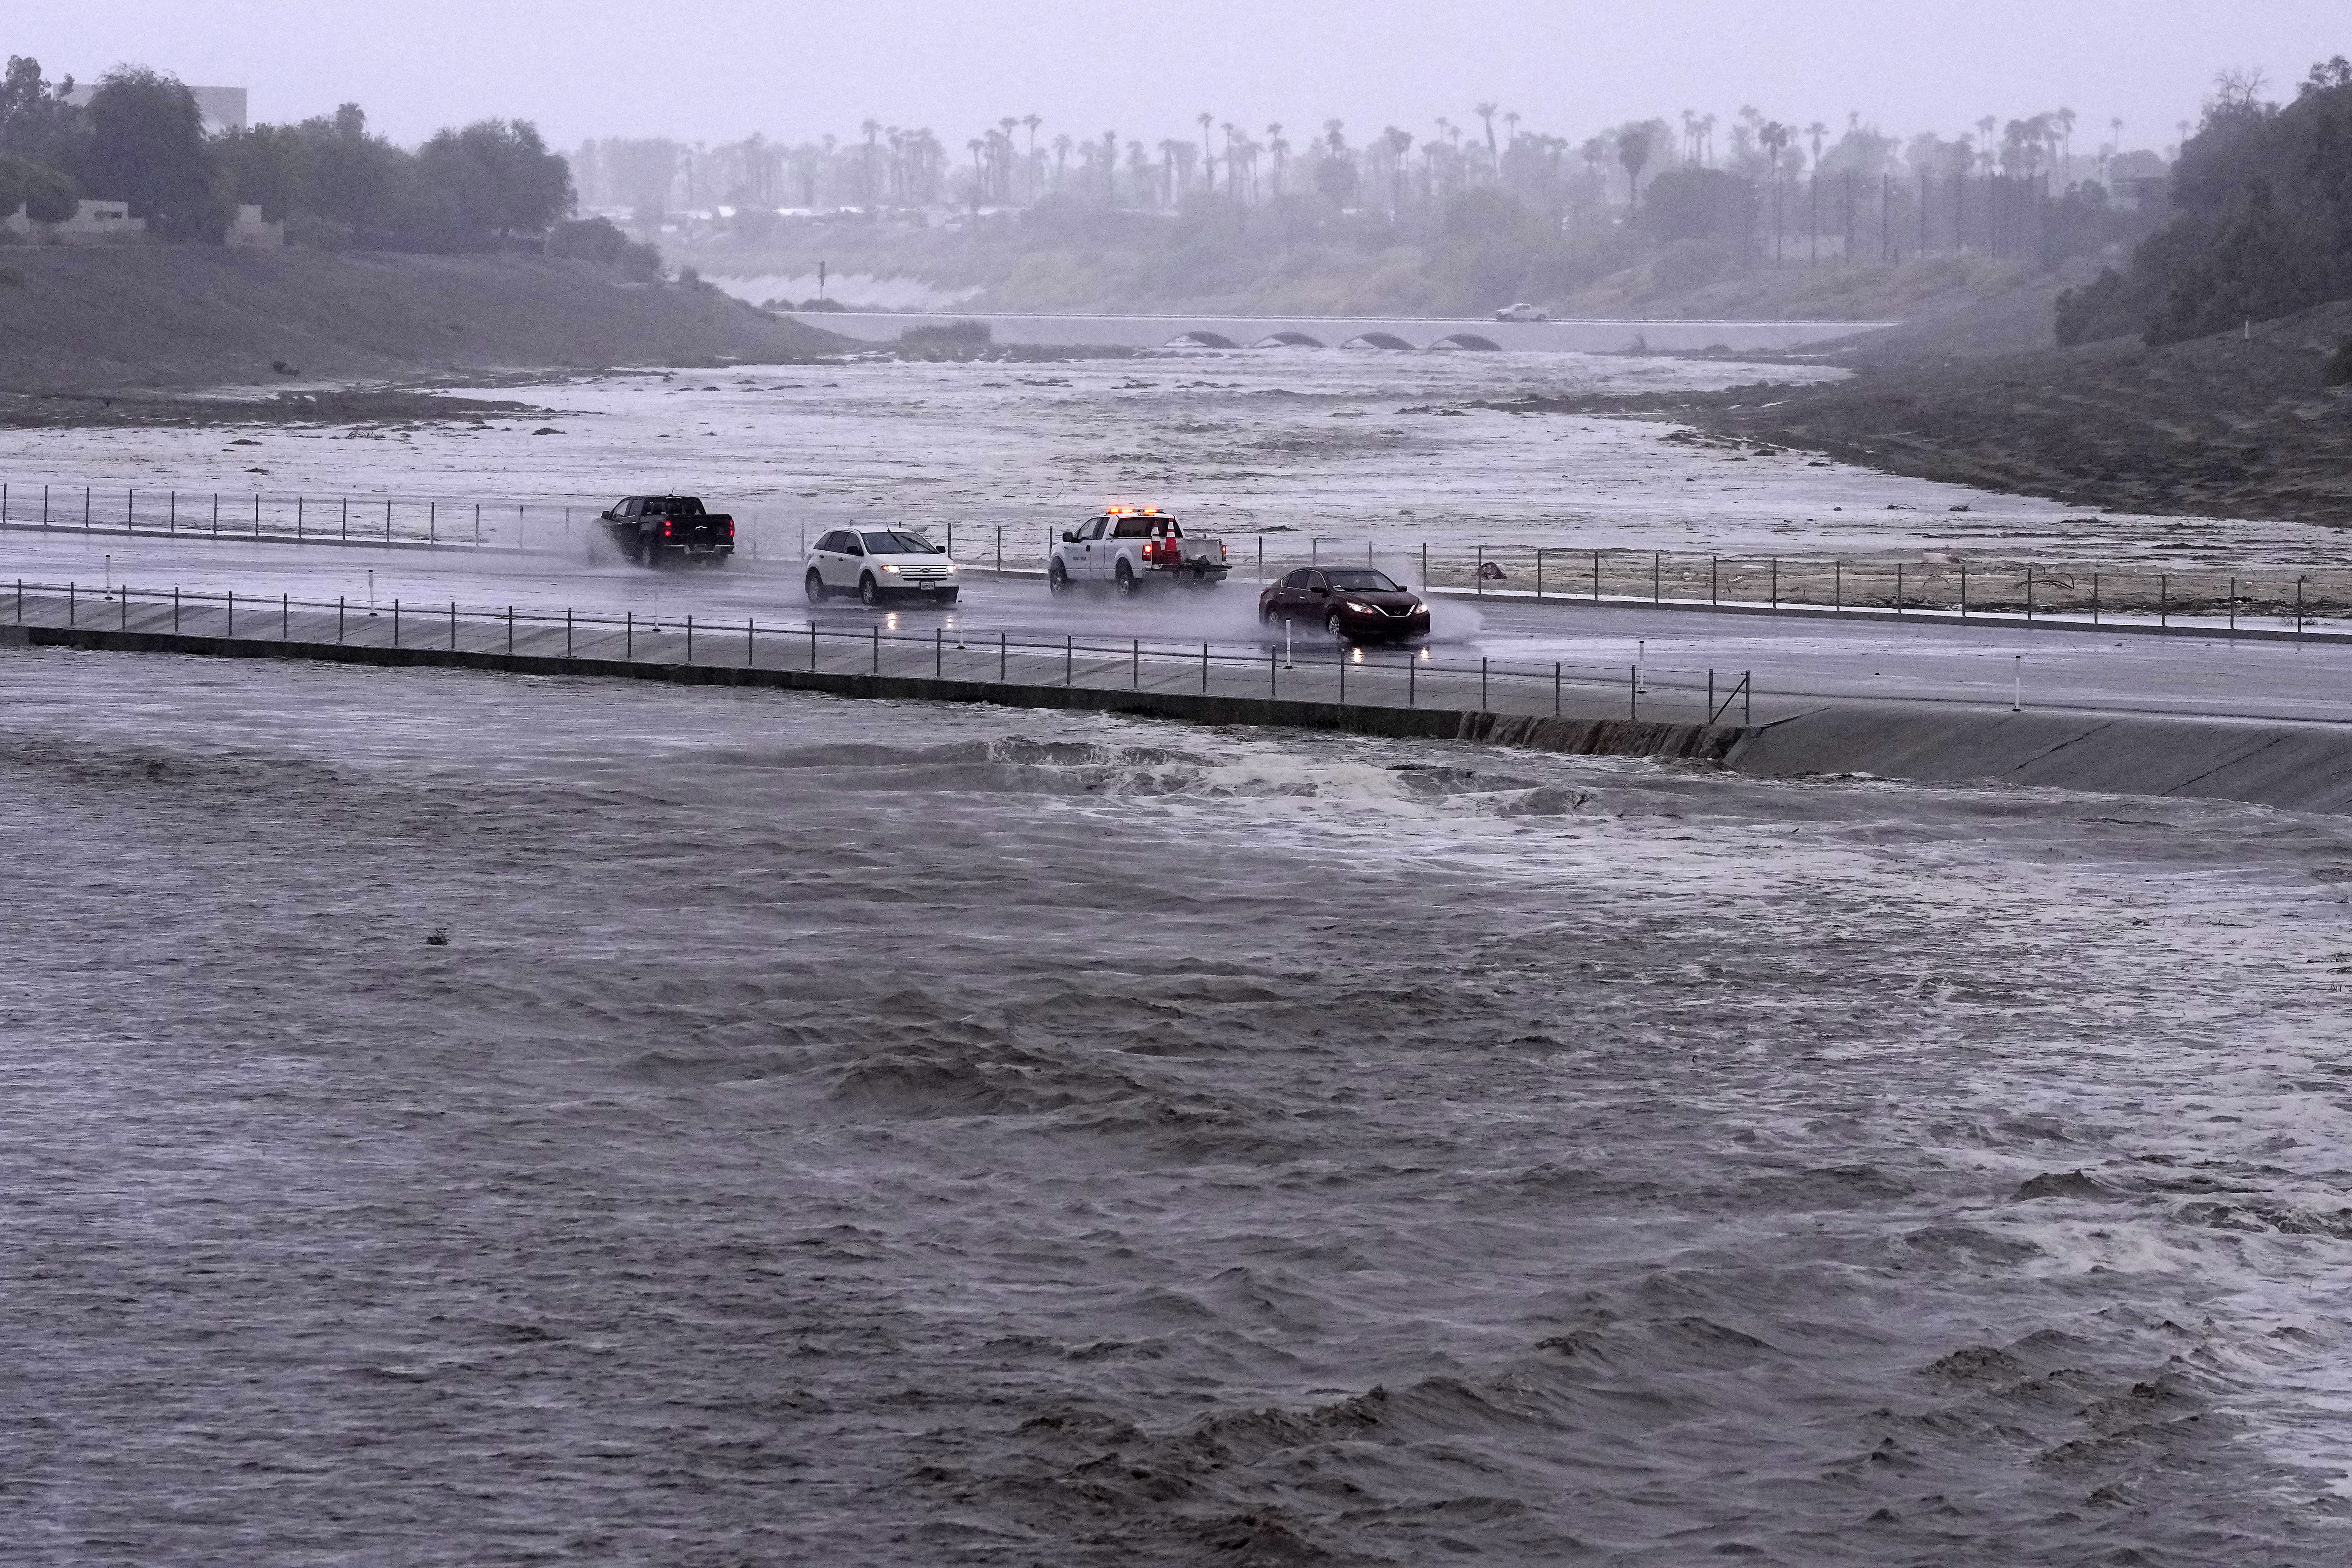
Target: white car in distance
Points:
(1522, 312)
(878, 565)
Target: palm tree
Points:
(974, 145)
(2064, 120)
(1706, 139)
(1281, 150)
(1634, 151)
(1062, 145)
(1032, 122)
(1816, 131)
(1486, 112)
(872, 128)
(1208, 169)
(1772, 136)
(1399, 143)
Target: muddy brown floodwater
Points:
(854, 1132)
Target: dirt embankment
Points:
(163, 317)
(2238, 424)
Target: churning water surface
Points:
(859, 1132)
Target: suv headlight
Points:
(950, 565)
(889, 566)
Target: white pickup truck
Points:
(1130, 547)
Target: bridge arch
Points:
(1376, 340)
(1467, 341)
(1200, 340)
(1288, 341)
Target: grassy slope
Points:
(183, 316)
(2224, 426)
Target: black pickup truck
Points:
(651, 530)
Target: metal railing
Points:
(1929, 584)
(1332, 673)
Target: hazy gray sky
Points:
(717, 69)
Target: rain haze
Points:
(1251, 786)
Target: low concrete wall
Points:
(2297, 767)
(1576, 736)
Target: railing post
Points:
(1555, 690)
(2164, 600)
(1633, 691)
(395, 623)
(751, 650)
(1964, 593)
(1000, 657)
(1482, 683)
(1596, 576)
(1067, 657)
(1540, 550)
(509, 631)
(453, 625)
(628, 634)
(1713, 593)
(1481, 578)
(285, 616)
(878, 648)
(1837, 586)
(1655, 594)
(689, 638)
(1135, 677)
(1776, 581)
(338, 616)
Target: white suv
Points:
(1522, 312)
(878, 563)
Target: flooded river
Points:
(463, 1118)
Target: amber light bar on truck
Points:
(1131, 511)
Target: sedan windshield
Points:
(1362, 580)
(888, 542)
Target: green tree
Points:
(47, 195)
(494, 179)
(147, 147)
(37, 117)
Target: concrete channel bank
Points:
(2300, 767)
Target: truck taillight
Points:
(665, 528)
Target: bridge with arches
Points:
(1392, 334)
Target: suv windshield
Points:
(1362, 580)
(891, 542)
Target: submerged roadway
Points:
(1792, 657)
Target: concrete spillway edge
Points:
(2295, 767)
(1571, 736)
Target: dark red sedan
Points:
(1353, 604)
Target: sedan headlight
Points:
(1359, 609)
